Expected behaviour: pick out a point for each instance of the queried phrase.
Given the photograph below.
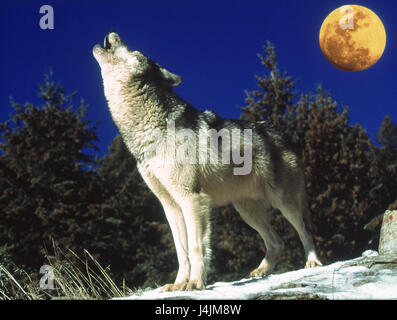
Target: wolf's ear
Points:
(169, 79)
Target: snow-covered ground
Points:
(340, 280)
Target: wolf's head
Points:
(117, 62)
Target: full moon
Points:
(352, 38)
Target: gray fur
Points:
(143, 105)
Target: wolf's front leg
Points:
(177, 224)
(178, 229)
(196, 209)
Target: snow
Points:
(340, 280)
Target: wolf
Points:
(144, 107)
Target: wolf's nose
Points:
(113, 37)
(111, 31)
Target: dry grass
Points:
(74, 278)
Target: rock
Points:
(388, 234)
(361, 278)
(291, 296)
(376, 262)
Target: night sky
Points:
(213, 45)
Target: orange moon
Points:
(352, 38)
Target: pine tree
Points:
(53, 191)
(336, 160)
(47, 178)
(387, 158)
(384, 173)
(275, 95)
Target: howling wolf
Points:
(178, 156)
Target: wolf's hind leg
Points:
(294, 210)
(257, 215)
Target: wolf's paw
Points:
(312, 263)
(195, 285)
(259, 272)
(181, 286)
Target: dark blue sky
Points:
(213, 45)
